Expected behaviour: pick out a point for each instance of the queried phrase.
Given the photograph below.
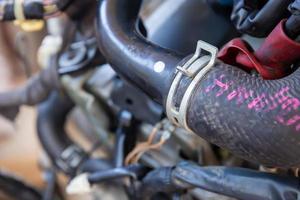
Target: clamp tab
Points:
(195, 69)
(71, 158)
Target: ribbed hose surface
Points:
(256, 119)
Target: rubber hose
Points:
(52, 116)
(95, 165)
(292, 26)
(158, 181)
(243, 184)
(35, 91)
(256, 119)
(146, 65)
(258, 20)
(239, 183)
(51, 122)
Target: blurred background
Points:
(19, 146)
(20, 151)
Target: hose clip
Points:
(195, 69)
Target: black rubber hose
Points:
(256, 119)
(35, 91)
(94, 165)
(131, 171)
(258, 18)
(292, 25)
(52, 116)
(159, 181)
(51, 122)
(146, 65)
(243, 184)
(239, 183)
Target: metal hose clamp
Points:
(195, 69)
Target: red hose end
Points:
(272, 60)
(278, 51)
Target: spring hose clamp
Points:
(195, 69)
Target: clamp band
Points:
(195, 68)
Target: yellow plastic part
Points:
(26, 25)
(30, 25)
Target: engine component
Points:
(292, 27)
(262, 128)
(50, 125)
(234, 182)
(36, 90)
(273, 60)
(79, 56)
(149, 69)
(225, 101)
(64, 153)
(186, 23)
(258, 18)
(136, 102)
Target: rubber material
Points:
(36, 90)
(243, 184)
(258, 18)
(94, 165)
(52, 116)
(51, 122)
(158, 181)
(273, 60)
(292, 27)
(256, 119)
(129, 53)
(15, 188)
(239, 183)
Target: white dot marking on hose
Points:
(159, 66)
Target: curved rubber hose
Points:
(256, 119)
(51, 121)
(146, 65)
(52, 115)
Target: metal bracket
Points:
(195, 69)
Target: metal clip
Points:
(195, 69)
(70, 158)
